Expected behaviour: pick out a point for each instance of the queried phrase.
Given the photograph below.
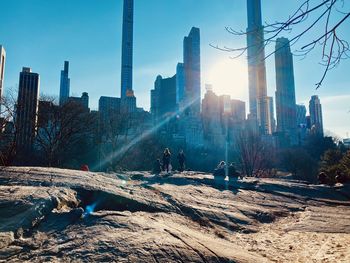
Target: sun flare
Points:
(229, 77)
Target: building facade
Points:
(301, 115)
(2, 70)
(64, 84)
(127, 48)
(27, 109)
(238, 110)
(285, 90)
(316, 119)
(256, 67)
(271, 115)
(192, 70)
(108, 109)
(82, 101)
(180, 83)
(164, 97)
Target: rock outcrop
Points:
(63, 215)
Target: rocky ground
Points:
(57, 215)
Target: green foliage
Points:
(300, 163)
(335, 164)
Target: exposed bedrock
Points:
(53, 214)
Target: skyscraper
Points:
(27, 109)
(127, 48)
(163, 97)
(238, 110)
(271, 115)
(2, 69)
(315, 110)
(256, 66)
(64, 84)
(180, 82)
(108, 107)
(301, 115)
(192, 69)
(285, 89)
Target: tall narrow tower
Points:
(315, 110)
(127, 49)
(2, 69)
(256, 66)
(64, 84)
(285, 90)
(192, 70)
(27, 109)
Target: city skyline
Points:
(327, 95)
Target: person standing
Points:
(166, 160)
(181, 158)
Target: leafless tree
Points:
(61, 128)
(254, 155)
(7, 128)
(113, 130)
(302, 25)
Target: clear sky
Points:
(41, 34)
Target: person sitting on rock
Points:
(157, 168)
(323, 178)
(232, 173)
(220, 170)
(166, 160)
(341, 178)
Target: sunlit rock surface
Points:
(64, 215)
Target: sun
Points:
(229, 77)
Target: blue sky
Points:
(42, 34)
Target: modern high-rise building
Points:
(180, 83)
(256, 66)
(163, 97)
(238, 110)
(64, 84)
(192, 69)
(285, 89)
(27, 109)
(301, 115)
(2, 70)
(315, 110)
(108, 107)
(211, 117)
(271, 115)
(127, 48)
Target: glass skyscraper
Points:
(64, 84)
(285, 89)
(256, 66)
(192, 70)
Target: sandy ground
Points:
(278, 244)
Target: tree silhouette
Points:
(302, 25)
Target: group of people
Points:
(222, 169)
(165, 164)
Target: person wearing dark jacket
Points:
(157, 168)
(166, 160)
(181, 158)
